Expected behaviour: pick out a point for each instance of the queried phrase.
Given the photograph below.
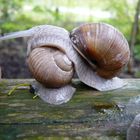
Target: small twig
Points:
(35, 96)
(14, 88)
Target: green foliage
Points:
(137, 52)
(137, 74)
(22, 14)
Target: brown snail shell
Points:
(103, 46)
(50, 66)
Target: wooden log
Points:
(90, 113)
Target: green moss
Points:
(137, 74)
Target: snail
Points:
(48, 61)
(53, 57)
(105, 49)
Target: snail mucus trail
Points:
(53, 56)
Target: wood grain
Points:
(89, 115)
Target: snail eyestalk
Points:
(14, 88)
(26, 33)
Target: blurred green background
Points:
(18, 15)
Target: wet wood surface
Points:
(90, 114)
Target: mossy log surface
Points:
(90, 114)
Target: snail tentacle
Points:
(26, 33)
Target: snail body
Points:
(103, 46)
(48, 62)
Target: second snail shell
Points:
(103, 46)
